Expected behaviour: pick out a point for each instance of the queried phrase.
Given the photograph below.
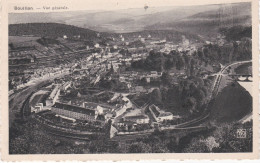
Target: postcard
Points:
(129, 80)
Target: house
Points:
(53, 96)
(38, 102)
(160, 115)
(153, 74)
(115, 47)
(127, 125)
(131, 122)
(120, 110)
(108, 116)
(139, 89)
(122, 79)
(37, 108)
(148, 80)
(165, 116)
(96, 45)
(75, 112)
(66, 85)
(139, 119)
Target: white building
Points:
(159, 115)
(37, 108)
(54, 96)
(139, 119)
(164, 116)
(96, 45)
(75, 112)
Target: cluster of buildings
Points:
(87, 112)
(132, 122)
(116, 109)
(160, 115)
(33, 60)
(99, 60)
(144, 121)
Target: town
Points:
(158, 91)
(101, 65)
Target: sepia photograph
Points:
(131, 79)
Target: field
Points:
(18, 39)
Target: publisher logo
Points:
(241, 133)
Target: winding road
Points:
(215, 89)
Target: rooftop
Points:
(38, 99)
(155, 110)
(73, 108)
(136, 117)
(163, 114)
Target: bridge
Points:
(223, 72)
(242, 77)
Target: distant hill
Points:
(55, 30)
(199, 19)
(208, 23)
(50, 30)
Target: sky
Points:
(107, 4)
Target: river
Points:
(249, 87)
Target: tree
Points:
(156, 96)
(139, 147)
(166, 78)
(168, 64)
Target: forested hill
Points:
(207, 23)
(170, 35)
(59, 30)
(50, 30)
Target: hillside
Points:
(207, 23)
(50, 30)
(59, 30)
(169, 35)
(232, 104)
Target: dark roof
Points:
(90, 105)
(154, 110)
(38, 99)
(126, 122)
(136, 117)
(165, 114)
(101, 117)
(74, 108)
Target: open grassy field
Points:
(18, 39)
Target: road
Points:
(215, 88)
(222, 73)
(17, 100)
